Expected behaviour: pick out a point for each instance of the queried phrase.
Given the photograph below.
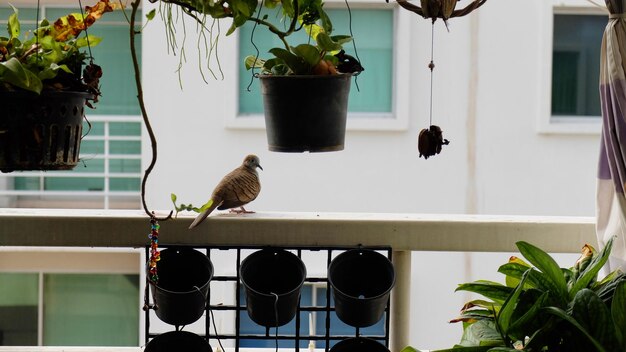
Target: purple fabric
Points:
(612, 162)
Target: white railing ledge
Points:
(403, 232)
(67, 349)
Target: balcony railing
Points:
(404, 233)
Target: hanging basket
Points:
(358, 344)
(41, 132)
(272, 279)
(305, 113)
(181, 292)
(361, 280)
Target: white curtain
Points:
(611, 195)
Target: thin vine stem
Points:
(144, 113)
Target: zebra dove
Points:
(240, 187)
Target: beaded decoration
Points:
(155, 256)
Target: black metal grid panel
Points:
(239, 306)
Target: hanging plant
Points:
(44, 90)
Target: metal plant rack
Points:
(327, 336)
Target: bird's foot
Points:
(241, 210)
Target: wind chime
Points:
(430, 140)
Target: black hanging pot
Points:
(272, 279)
(181, 292)
(178, 341)
(361, 281)
(305, 113)
(40, 132)
(358, 344)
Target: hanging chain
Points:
(431, 66)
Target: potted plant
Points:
(305, 86)
(546, 308)
(43, 90)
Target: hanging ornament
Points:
(430, 140)
(155, 255)
(444, 9)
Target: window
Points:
(110, 173)
(46, 301)
(576, 65)
(382, 43)
(311, 323)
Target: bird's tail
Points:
(203, 215)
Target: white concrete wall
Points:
(492, 95)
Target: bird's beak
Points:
(260, 167)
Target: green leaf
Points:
(528, 321)
(253, 61)
(150, 15)
(13, 26)
(591, 271)
(409, 349)
(489, 289)
(173, 197)
(563, 315)
(326, 22)
(327, 44)
(14, 73)
(481, 333)
(594, 315)
(514, 272)
(206, 206)
(288, 7)
(504, 317)
(546, 264)
(618, 313)
(295, 63)
(309, 53)
(341, 39)
(467, 349)
(83, 42)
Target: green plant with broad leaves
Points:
(322, 54)
(50, 56)
(542, 307)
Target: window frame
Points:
(561, 124)
(396, 120)
(67, 260)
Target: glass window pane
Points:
(576, 64)
(124, 184)
(91, 310)
(376, 54)
(91, 147)
(125, 129)
(125, 165)
(18, 309)
(125, 147)
(97, 128)
(89, 164)
(74, 184)
(27, 183)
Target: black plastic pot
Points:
(272, 279)
(305, 113)
(181, 292)
(358, 344)
(361, 282)
(40, 132)
(183, 341)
